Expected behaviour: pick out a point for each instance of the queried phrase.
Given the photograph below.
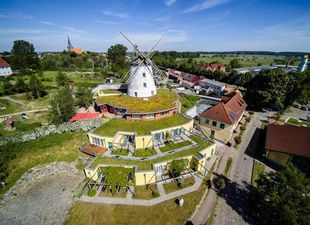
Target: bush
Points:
(21, 126)
(242, 127)
(248, 119)
(238, 139)
(251, 112)
(92, 193)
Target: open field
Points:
(171, 187)
(164, 213)
(245, 60)
(141, 127)
(19, 157)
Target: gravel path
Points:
(233, 205)
(47, 201)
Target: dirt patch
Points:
(47, 201)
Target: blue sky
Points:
(187, 25)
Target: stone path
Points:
(19, 102)
(233, 204)
(26, 112)
(161, 189)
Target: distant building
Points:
(5, 68)
(221, 120)
(303, 64)
(288, 143)
(214, 86)
(77, 51)
(212, 67)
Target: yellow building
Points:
(222, 119)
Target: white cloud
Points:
(115, 14)
(72, 29)
(106, 22)
(170, 2)
(8, 14)
(206, 4)
(46, 23)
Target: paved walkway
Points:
(233, 204)
(19, 102)
(19, 113)
(141, 202)
(161, 189)
(205, 207)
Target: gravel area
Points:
(47, 201)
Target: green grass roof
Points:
(147, 165)
(141, 127)
(164, 99)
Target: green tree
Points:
(235, 63)
(177, 166)
(24, 55)
(282, 198)
(36, 87)
(7, 87)
(84, 97)
(62, 106)
(62, 79)
(117, 55)
(20, 85)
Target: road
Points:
(233, 205)
(13, 100)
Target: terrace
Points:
(164, 100)
(147, 163)
(140, 127)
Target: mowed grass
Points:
(53, 148)
(245, 60)
(172, 187)
(141, 127)
(144, 192)
(258, 169)
(166, 213)
(163, 100)
(141, 152)
(171, 146)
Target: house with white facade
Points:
(5, 68)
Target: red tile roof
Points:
(229, 112)
(84, 116)
(289, 139)
(77, 51)
(3, 63)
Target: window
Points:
(222, 125)
(152, 92)
(136, 116)
(207, 121)
(136, 94)
(214, 123)
(143, 74)
(144, 85)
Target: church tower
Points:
(70, 46)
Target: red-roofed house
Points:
(285, 142)
(222, 119)
(5, 68)
(212, 67)
(85, 116)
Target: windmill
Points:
(143, 74)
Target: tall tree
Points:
(24, 55)
(36, 87)
(62, 79)
(62, 106)
(84, 97)
(117, 55)
(235, 63)
(20, 85)
(282, 198)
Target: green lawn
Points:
(17, 158)
(10, 107)
(198, 139)
(141, 127)
(188, 101)
(144, 192)
(165, 99)
(141, 152)
(123, 152)
(171, 187)
(147, 164)
(258, 169)
(171, 146)
(166, 213)
(296, 122)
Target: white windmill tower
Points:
(143, 73)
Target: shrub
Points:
(251, 112)
(91, 193)
(237, 139)
(242, 127)
(248, 119)
(155, 194)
